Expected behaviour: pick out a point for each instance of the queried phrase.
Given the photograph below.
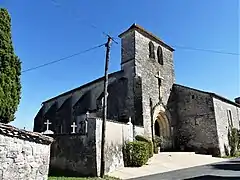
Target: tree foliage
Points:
(233, 141)
(10, 71)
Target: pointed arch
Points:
(151, 50)
(160, 55)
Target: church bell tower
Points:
(148, 64)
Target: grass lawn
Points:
(80, 178)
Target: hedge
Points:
(136, 154)
(149, 142)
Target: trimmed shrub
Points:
(149, 142)
(233, 141)
(136, 154)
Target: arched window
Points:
(160, 55)
(151, 50)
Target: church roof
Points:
(211, 94)
(83, 86)
(147, 34)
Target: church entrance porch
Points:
(162, 129)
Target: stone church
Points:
(145, 91)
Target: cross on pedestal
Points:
(47, 123)
(74, 127)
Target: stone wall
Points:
(148, 69)
(137, 64)
(23, 155)
(128, 66)
(74, 154)
(196, 120)
(116, 135)
(222, 120)
(62, 105)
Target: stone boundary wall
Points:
(24, 155)
(74, 154)
(116, 135)
(80, 155)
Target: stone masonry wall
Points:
(128, 66)
(220, 109)
(137, 65)
(116, 135)
(148, 69)
(74, 154)
(196, 121)
(38, 122)
(23, 155)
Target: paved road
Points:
(224, 170)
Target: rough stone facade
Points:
(70, 107)
(137, 63)
(23, 155)
(203, 121)
(223, 122)
(197, 128)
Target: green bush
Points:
(136, 154)
(233, 141)
(149, 142)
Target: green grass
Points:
(80, 178)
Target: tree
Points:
(10, 71)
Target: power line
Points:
(57, 4)
(175, 46)
(206, 50)
(88, 24)
(64, 58)
(199, 49)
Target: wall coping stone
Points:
(12, 131)
(114, 121)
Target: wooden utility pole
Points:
(102, 170)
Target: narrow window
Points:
(160, 55)
(193, 96)
(229, 114)
(151, 50)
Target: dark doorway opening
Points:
(157, 128)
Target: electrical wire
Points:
(64, 58)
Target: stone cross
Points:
(160, 78)
(159, 75)
(74, 127)
(47, 123)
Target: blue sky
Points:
(47, 30)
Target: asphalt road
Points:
(224, 170)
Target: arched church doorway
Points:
(157, 128)
(162, 129)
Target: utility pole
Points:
(102, 170)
